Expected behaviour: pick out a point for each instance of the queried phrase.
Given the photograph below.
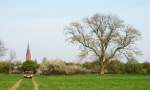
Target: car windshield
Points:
(28, 72)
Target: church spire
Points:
(28, 54)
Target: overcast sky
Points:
(42, 22)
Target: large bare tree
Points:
(104, 36)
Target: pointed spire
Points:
(28, 48)
(28, 54)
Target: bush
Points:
(146, 67)
(29, 66)
(76, 69)
(60, 67)
(116, 67)
(4, 67)
(16, 67)
(133, 67)
(93, 67)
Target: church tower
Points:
(28, 54)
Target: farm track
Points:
(16, 85)
(35, 85)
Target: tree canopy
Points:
(105, 37)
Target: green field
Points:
(95, 82)
(79, 82)
(7, 81)
(26, 85)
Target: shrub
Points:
(146, 67)
(116, 67)
(133, 67)
(93, 67)
(4, 67)
(60, 67)
(29, 66)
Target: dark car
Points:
(28, 74)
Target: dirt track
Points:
(16, 85)
(35, 85)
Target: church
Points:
(28, 53)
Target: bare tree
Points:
(12, 56)
(104, 36)
(2, 49)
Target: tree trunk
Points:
(102, 69)
(102, 65)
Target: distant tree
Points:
(29, 66)
(133, 67)
(105, 37)
(12, 56)
(44, 59)
(16, 67)
(4, 67)
(2, 49)
(146, 66)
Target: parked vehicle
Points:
(28, 74)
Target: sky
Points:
(42, 22)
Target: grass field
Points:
(26, 85)
(95, 82)
(7, 81)
(79, 82)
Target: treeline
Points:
(7, 67)
(16, 67)
(60, 67)
(118, 67)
